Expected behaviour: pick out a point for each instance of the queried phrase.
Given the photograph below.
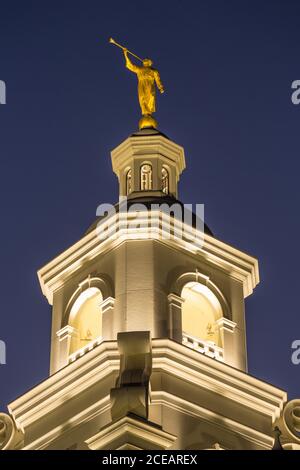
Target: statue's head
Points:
(147, 62)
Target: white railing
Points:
(82, 351)
(209, 348)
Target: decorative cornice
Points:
(98, 410)
(218, 377)
(221, 422)
(147, 146)
(120, 227)
(226, 324)
(169, 358)
(130, 430)
(66, 332)
(107, 304)
(175, 300)
(66, 384)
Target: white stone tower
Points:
(148, 344)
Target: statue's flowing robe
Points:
(147, 78)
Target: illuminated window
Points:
(165, 180)
(200, 310)
(146, 177)
(86, 318)
(128, 182)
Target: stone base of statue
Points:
(147, 121)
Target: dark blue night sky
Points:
(227, 67)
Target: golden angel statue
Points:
(148, 79)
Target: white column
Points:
(65, 336)
(226, 328)
(107, 309)
(175, 317)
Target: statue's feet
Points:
(147, 121)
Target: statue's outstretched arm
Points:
(134, 68)
(158, 81)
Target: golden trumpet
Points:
(112, 41)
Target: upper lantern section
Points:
(148, 164)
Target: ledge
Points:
(121, 227)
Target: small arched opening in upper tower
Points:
(165, 180)
(128, 182)
(86, 318)
(146, 177)
(200, 311)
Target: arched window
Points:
(165, 180)
(128, 182)
(146, 177)
(86, 318)
(200, 310)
